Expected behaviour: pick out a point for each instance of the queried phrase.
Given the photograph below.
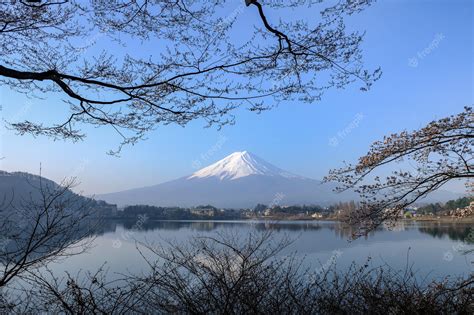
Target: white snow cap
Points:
(240, 164)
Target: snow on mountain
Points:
(240, 164)
(240, 180)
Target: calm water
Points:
(434, 249)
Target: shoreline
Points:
(299, 218)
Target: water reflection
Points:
(206, 226)
(454, 231)
(424, 244)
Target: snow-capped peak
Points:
(240, 164)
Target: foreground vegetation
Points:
(232, 274)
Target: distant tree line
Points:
(308, 209)
(439, 208)
(177, 213)
(339, 210)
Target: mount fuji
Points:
(240, 180)
(241, 164)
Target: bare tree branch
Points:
(197, 70)
(441, 152)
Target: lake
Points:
(434, 249)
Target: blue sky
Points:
(297, 137)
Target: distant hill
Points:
(19, 188)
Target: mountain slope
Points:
(242, 179)
(19, 189)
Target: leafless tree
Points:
(83, 293)
(199, 68)
(439, 153)
(223, 274)
(46, 227)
